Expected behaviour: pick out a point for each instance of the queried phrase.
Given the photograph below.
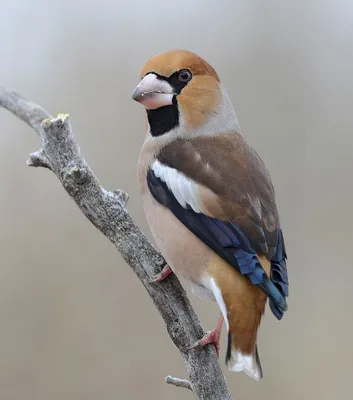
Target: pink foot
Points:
(212, 337)
(166, 271)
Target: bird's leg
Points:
(166, 271)
(212, 337)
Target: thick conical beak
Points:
(153, 92)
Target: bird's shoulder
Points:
(223, 177)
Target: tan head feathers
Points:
(167, 63)
(183, 93)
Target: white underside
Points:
(201, 292)
(211, 285)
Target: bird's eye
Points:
(185, 75)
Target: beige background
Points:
(75, 322)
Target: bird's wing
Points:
(220, 189)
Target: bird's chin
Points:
(153, 100)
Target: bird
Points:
(209, 202)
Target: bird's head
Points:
(183, 96)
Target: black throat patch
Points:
(163, 119)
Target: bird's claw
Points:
(166, 271)
(212, 337)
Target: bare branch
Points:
(107, 212)
(30, 113)
(38, 159)
(184, 383)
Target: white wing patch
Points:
(184, 189)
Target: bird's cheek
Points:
(152, 101)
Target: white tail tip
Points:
(249, 363)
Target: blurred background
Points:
(74, 318)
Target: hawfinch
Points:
(209, 201)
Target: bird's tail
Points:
(238, 361)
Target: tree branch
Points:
(107, 212)
(178, 382)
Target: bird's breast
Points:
(184, 252)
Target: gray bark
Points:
(107, 211)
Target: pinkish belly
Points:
(184, 252)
